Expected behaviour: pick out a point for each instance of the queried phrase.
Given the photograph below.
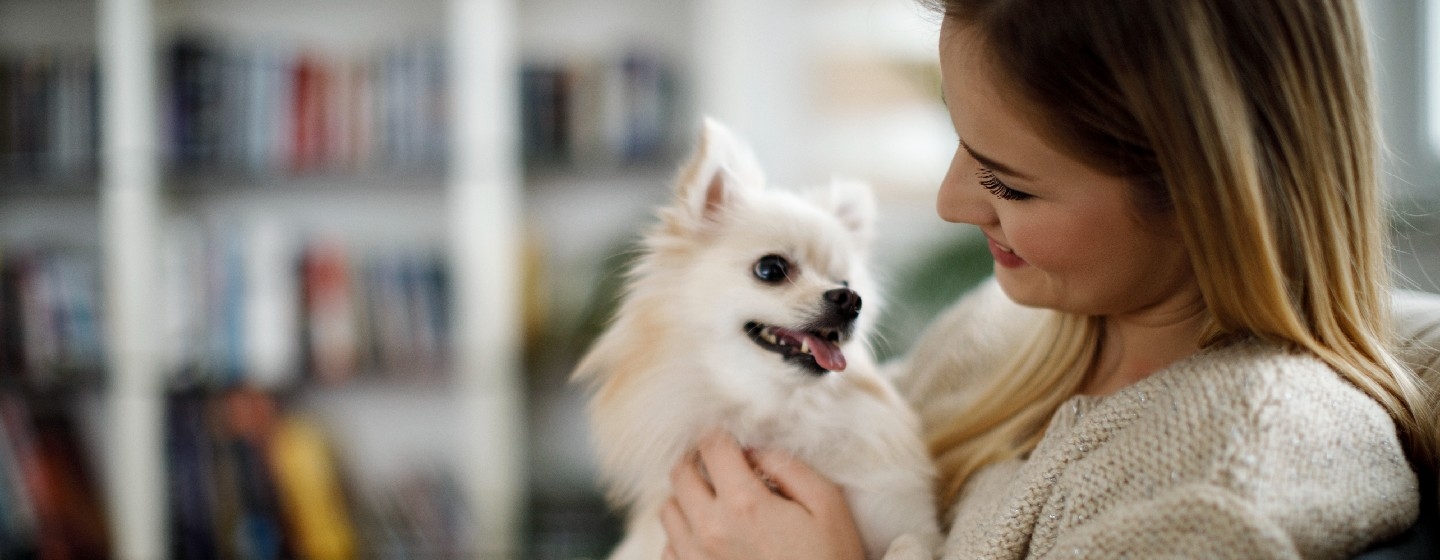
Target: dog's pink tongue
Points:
(826, 353)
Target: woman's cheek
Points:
(1031, 239)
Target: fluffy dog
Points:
(747, 310)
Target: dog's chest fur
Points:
(821, 420)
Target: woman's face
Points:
(1064, 235)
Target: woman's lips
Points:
(1004, 257)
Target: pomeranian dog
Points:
(747, 310)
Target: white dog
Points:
(744, 312)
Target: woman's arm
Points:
(1186, 522)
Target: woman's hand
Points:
(723, 509)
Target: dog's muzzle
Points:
(815, 345)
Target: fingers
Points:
(798, 481)
(689, 486)
(706, 486)
(677, 527)
(729, 469)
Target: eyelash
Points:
(991, 183)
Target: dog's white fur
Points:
(676, 360)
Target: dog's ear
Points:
(853, 203)
(722, 168)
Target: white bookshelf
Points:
(751, 62)
(471, 216)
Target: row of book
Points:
(249, 479)
(50, 506)
(267, 109)
(48, 115)
(244, 306)
(253, 110)
(599, 112)
(51, 331)
(252, 305)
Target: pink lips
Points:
(1004, 257)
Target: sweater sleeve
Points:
(1307, 467)
(1191, 521)
(1325, 463)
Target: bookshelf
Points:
(409, 202)
(463, 182)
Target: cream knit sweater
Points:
(1242, 451)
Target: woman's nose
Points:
(961, 199)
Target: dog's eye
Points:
(772, 268)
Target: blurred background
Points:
(306, 278)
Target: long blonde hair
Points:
(1251, 125)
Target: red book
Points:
(310, 86)
(330, 315)
(70, 521)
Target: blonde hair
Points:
(1251, 125)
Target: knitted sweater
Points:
(1245, 450)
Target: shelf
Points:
(330, 184)
(83, 185)
(625, 82)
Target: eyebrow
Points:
(993, 165)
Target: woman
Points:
(1183, 197)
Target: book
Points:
(17, 514)
(190, 459)
(310, 86)
(310, 491)
(57, 505)
(247, 419)
(329, 307)
(73, 524)
(271, 301)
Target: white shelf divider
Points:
(485, 209)
(129, 208)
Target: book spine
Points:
(310, 491)
(18, 522)
(57, 510)
(190, 455)
(333, 342)
(270, 306)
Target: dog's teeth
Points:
(804, 347)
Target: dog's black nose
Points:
(846, 302)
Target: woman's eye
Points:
(991, 183)
(772, 269)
